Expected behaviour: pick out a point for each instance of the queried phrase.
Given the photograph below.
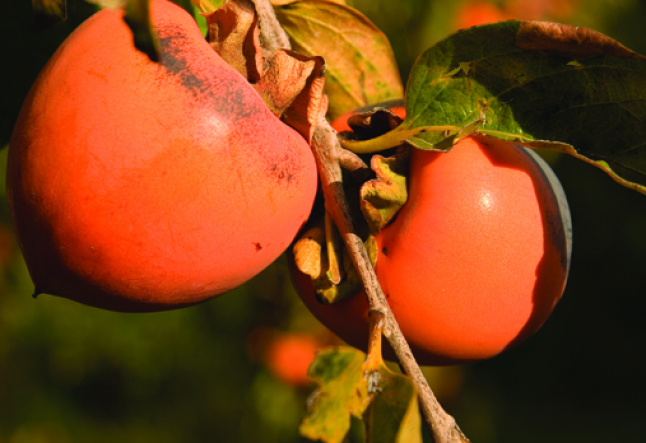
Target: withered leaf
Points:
(306, 110)
(360, 66)
(234, 34)
(311, 258)
(384, 196)
(285, 79)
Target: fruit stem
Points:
(391, 139)
(327, 152)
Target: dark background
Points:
(69, 373)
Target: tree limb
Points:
(327, 152)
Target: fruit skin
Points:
(476, 259)
(137, 186)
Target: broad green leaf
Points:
(48, 12)
(342, 393)
(360, 66)
(393, 415)
(540, 84)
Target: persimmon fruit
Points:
(143, 186)
(289, 356)
(478, 12)
(474, 262)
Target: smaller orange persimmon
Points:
(474, 262)
(289, 356)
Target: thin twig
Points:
(327, 152)
(325, 146)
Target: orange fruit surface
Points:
(475, 261)
(142, 186)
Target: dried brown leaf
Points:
(285, 79)
(305, 111)
(235, 35)
(569, 41)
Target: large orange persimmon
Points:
(142, 186)
(476, 259)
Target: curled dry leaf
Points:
(286, 77)
(290, 84)
(235, 35)
(384, 196)
(311, 104)
(311, 257)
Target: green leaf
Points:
(540, 84)
(393, 415)
(342, 394)
(360, 65)
(353, 387)
(138, 19)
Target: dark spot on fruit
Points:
(284, 167)
(172, 59)
(384, 251)
(258, 246)
(225, 92)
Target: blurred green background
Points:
(69, 373)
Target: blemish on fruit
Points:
(384, 251)
(258, 246)
(234, 105)
(170, 55)
(285, 168)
